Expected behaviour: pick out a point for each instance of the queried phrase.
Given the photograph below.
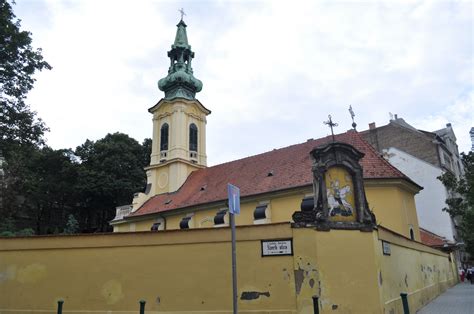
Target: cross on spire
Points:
(182, 13)
(331, 125)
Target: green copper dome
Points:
(180, 81)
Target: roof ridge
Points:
(268, 152)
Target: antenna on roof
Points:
(352, 116)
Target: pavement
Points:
(456, 300)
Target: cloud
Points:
(272, 71)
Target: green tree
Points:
(72, 225)
(21, 131)
(18, 63)
(110, 172)
(461, 200)
(45, 180)
(146, 149)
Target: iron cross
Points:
(182, 13)
(331, 125)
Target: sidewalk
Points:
(457, 300)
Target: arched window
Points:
(164, 135)
(412, 234)
(193, 137)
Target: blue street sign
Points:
(233, 193)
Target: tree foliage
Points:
(43, 190)
(461, 200)
(18, 63)
(111, 171)
(55, 186)
(72, 225)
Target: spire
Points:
(181, 39)
(180, 82)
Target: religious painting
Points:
(340, 195)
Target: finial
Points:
(352, 116)
(182, 13)
(331, 125)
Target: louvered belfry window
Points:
(164, 136)
(193, 138)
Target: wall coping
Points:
(400, 240)
(146, 238)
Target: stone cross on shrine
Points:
(331, 125)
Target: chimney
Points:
(396, 116)
(448, 125)
(372, 126)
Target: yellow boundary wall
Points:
(413, 268)
(190, 272)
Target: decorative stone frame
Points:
(342, 155)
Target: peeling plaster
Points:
(253, 295)
(299, 277)
(304, 271)
(286, 274)
(112, 291)
(31, 273)
(8, 274)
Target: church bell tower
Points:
(179, 124)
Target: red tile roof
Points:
(290, 166)
(431, 239)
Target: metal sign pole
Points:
(234, 264)
(233, 193)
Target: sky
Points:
(272, 70)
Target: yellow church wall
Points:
(281, 207)
(394, 208)
(413, 268)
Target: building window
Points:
(164, 136)
(193, 137)
(220, 219)
(187, 222)
(307, 203)
(155, 226)
(184, 224)
(262, 213)
(412, 234)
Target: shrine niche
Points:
(339, 200)
(340, 194)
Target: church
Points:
(326, 226)
(183, 193)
